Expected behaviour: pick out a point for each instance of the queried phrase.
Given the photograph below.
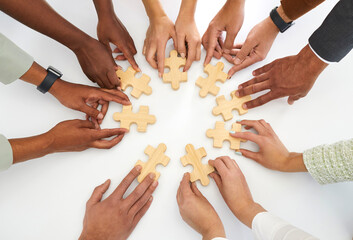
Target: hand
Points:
(98, 64)
(188, 38)
(116, 217)
(230, 19)
(255, 48)
(273, 154)
(234, 189)
(87, 99)
(79, 135)
(111, 29)
(197, 211)
(161, 29)
(291, 76)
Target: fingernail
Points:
(160, 75)
(231, 132)
(138, 69)
(230, 76)
(237, 61)
(244, 106)
(100, 116)
(182, 55)
(152, 175)
(154, 184)
(237, 94)
(239, 153)
(253, 73)
(138, 168)
(240, 87)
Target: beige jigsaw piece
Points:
(226, 107)
(175, 76)
(156, 156)
(139, 85)
(194, 158)
(208, 85)
(220, 134)
(126, 117)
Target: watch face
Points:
(55, 71)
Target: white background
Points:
(45, 198)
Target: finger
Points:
(181, 45)
(249, 154)
(107, 144)
(98, 193)
(115, 96)
(175, 40)
(246, 63)
(104, 109)
(254, 88)
(260, 128)
(142, 212)
(191, 56)
(210, 49)
(185, 185)
(263, 69)
(107, 45)
(228, 57)
(161, 58)
(217, 179)
(219, 52)
(85, 124)
(113, 78)
(143, 200)
(228, 162)
(106, 133)
(260, 100)
(144, 48)
(140, 190)
(120, 57)
(195, 190)
(130, 57)
(256, 138)
(229, 42)
(91, 111)
(150, 54)
(125, 184)
(245, 51)
(220, 166)
(254, 80)
(198, 51)
(292, 99)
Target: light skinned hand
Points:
(272, 154)
(234, 189)
(197, 212)
(79, 135)
(255, 48)
(87, 99)
(229, 19)
(161, 29)
(98, 64)
(291, 76)
(189, 40)
(115, 217)
(111, 30)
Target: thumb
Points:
(229, 42)
(92, 112)
(244, 52)
(292, 99)
(98, 193)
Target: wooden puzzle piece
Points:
(139, 85)
(220, 134)
(194, 158)
(226, 107)
(156, 156)
(175, 76)
(208, 85)
(126, 117)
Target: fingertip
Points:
(138, 168)
(245, 106)
(100, 116)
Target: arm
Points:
(117, 216)
(333, 40)
(111, 30)
(229, 19)
(188, 36)
(296, 9)
(197, 212)
(68, 136)
(96, 62)
(236, 193)
(161, 29)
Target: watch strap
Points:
(49, 80)
(279, 22)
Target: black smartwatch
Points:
(52, 75)
(279, 22)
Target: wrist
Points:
(247, 212)
(104, 9)
(57, 87)
(283, 15)
(271, 25)
(154, 9)
(214, 232)
(295, 163)
(313, 64)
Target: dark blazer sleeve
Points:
(333, 40)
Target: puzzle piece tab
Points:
(139, 85)
(156, 156)
(208, 85)
(226, 107)
(220, 134)
(194, 158)
(175, 76)
(141, 118)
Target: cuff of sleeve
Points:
(219, 238)
(6, 157)
(14, 62)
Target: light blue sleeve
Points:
(6, 157)
(14, 62)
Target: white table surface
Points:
(45, 198)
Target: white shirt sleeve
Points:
(6, 157)
(266, 226)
